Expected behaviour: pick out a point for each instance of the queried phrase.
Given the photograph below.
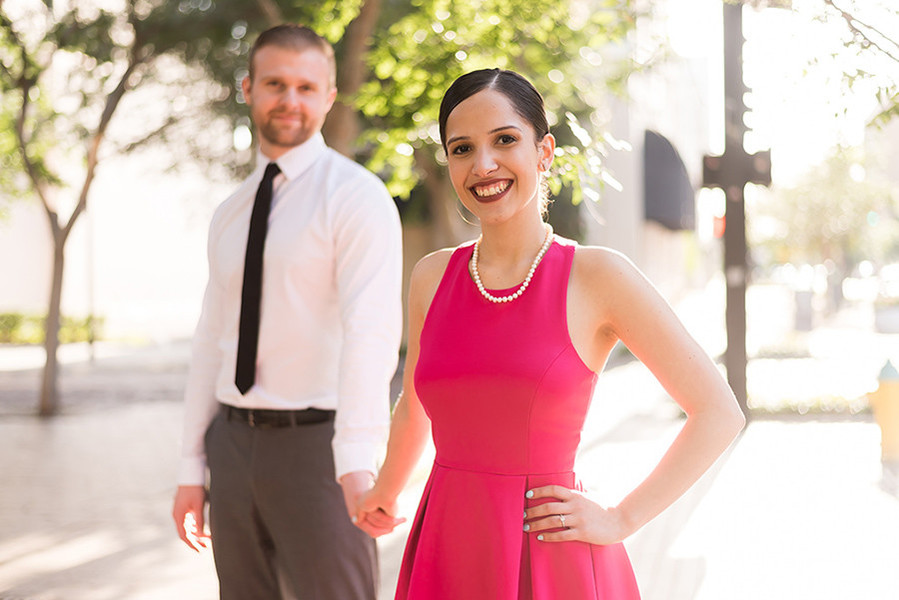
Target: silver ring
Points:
(562, 519)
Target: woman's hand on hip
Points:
(569, 515)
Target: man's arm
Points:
(199, 409)
(368, 250)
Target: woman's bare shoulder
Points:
(599, 262)
(430, 268)
(426, 275)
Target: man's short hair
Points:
(294, 37)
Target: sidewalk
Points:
(798, 508)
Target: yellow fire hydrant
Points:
(885, 402)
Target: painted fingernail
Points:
(525, 514)
(530, 494)
(527, 527)
(540, 537)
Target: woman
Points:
(507, 335)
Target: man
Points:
(287, 396)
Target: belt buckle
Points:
(251, 418)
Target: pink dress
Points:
(507, 395)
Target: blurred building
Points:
(672, 117)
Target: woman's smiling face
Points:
(494, 159)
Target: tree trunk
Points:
(271, 11)
(49, 399)
(342, 127)
(447, 225)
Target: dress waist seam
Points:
(525, 474)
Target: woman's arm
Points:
(410, 426)
(628, 308)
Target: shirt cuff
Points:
(356, 456)
(192, 471)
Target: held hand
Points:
(355, 484)
(376, 516)
(190, 500)
(570, 515)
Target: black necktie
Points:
(248, 336)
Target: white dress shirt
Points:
(331, 313)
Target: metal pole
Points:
(735, 217)
(735, 359)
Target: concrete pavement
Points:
(799, 508)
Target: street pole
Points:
(731, 172)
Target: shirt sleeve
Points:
(200, 404)
(368, 250)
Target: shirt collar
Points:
(296, 160)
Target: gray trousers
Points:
(279, 523)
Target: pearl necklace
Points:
(527, 280)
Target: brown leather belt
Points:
(266, 418)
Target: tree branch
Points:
(150, 137)
(30, 168)
(25, 82)
(112, 102)
(6, 24)
(6, 72)
(856, 25)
